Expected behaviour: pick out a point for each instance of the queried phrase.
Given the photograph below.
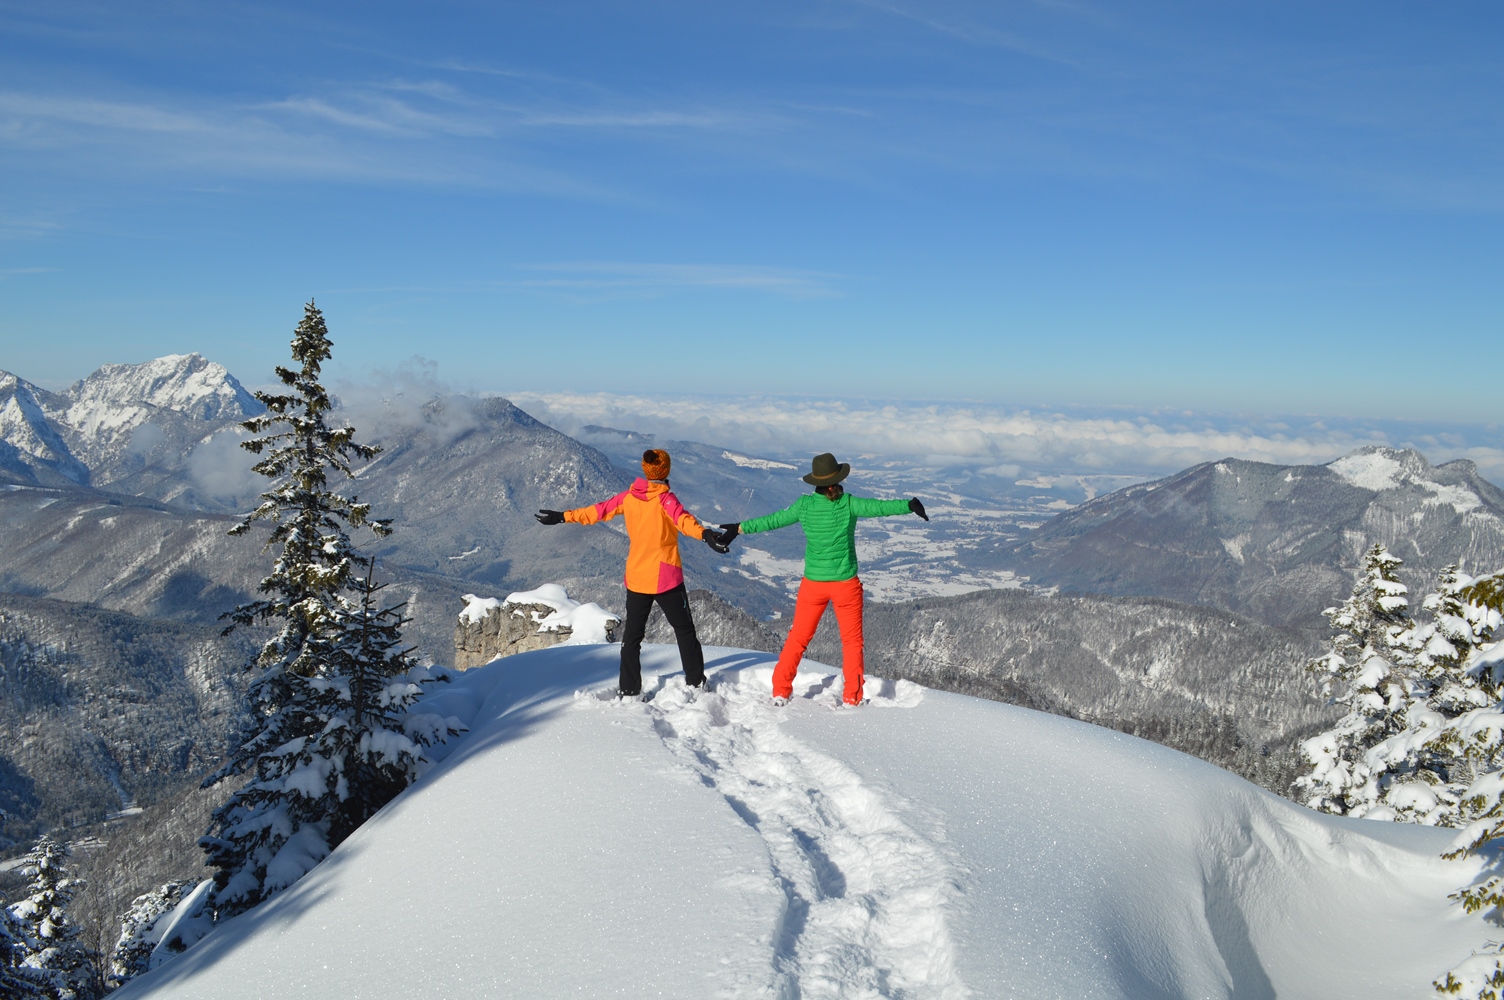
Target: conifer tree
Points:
(16, 982)
(1363, 671)
(54, 959)
(138, 936)
(1422, 774)
(1478, 737)
(377, 749)
(320, 764)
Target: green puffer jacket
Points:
(829, 530)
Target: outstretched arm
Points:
(768, 522)
(867, 507)
(596, 512)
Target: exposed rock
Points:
(489, 628)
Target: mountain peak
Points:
(188, 383)
(30, 447)
(1377, 468)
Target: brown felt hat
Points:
(655, 463)
(824, 470)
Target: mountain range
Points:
(1276, 542)
(117, 493)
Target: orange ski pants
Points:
(814, 595)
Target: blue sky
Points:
(1268, 208)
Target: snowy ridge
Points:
(187, 383)
(1380, 469)
(748, 462)
(112, 410)
(705, 845)
(24, 426)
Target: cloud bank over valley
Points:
(1009, 441)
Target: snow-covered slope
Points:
(926, 845)
(31, 450)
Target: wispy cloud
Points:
(970, 31)
(626, 276)
(1034, 440)
(298, 137)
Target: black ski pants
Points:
(675, 605)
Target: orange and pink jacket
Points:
(655, 517)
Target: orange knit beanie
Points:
(655, 463)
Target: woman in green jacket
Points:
(828, 517)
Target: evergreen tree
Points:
(138, 932)
(374, 744)
(1422, 775)
(54, 959)
(1477, 736)
(1362, 670)
(320, 764)
(16, 981)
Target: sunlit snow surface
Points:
(925, 845)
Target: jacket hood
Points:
(643, 488)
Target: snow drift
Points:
(926, 845)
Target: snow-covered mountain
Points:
(125, 396)
(135, 429)
(123, 420)
(926, 845)
(1275, 542)
(461, 477)
(31, 448)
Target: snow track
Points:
(866, 895)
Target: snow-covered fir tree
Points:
(1361, 672)
(139, 931)
(54, 958)
(1420, 777)
(321, 763)
(16, 983)
(376, 749)
(1477, 736)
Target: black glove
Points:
(717, 541)
(730, 531)
(917, 507)
(556, 516)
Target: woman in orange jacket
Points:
(655, 518)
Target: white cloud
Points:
(392, 405)
(221, 468)
(999, 438)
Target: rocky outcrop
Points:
(537, 619)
